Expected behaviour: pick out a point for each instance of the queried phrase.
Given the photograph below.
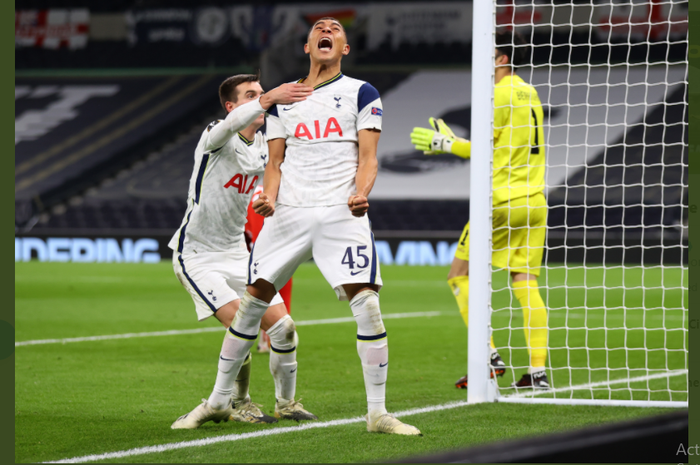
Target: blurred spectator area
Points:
(635, 186)
(109, 105)
(71, 133)
(216, 34)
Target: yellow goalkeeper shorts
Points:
(519, 228)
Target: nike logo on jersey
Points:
(238, 152)
(287, 109)
(226, 359)
(355, 273)
(331, 126)
(241, 184)
(382, 365)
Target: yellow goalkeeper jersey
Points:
(518, 140)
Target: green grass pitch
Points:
(94, 397)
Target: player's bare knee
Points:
(351, 290)
(519, 276)
(226, 313)
(262, 290)
(458, 268)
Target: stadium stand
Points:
(629, 197)
(150, 195)
(634, 182)
(71, 133)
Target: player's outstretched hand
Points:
(440, 126)
(422, 139)
(286, 94)
(431, 142)
(434, 141)
(358, 205)
(263, 206)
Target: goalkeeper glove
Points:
(433, 142)
(440, 126)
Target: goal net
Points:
(612, 78)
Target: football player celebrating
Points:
(315, 205)
(211, 259)
(519, 206)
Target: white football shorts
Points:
(341, 245)
(214, 279)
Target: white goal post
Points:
(612, 76)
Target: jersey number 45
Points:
(348, 260)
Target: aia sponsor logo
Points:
(331, 126)
(240, 183)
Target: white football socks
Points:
(237, 343)
(242, 383)
(229, 365)
(372, 348)
(283, 355)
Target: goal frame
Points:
(481, 387)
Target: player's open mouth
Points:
(325, 44)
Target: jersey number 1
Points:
(535, 149)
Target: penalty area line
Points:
(177, 332)
(255, 434)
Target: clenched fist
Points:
(358, 205)
(263, 206)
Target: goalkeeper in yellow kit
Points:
(519, 206)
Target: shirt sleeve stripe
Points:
(366, 95)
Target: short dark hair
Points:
(227, 89)
(513, 45)
(326, 18)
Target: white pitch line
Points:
(667, 374)
(325, 424)
(176, 332)
(255, 434)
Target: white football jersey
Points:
(321, 158)
(222, 183)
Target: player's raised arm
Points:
(240, 117)
(367, 140)
(265, 204)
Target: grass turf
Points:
(102, 396)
